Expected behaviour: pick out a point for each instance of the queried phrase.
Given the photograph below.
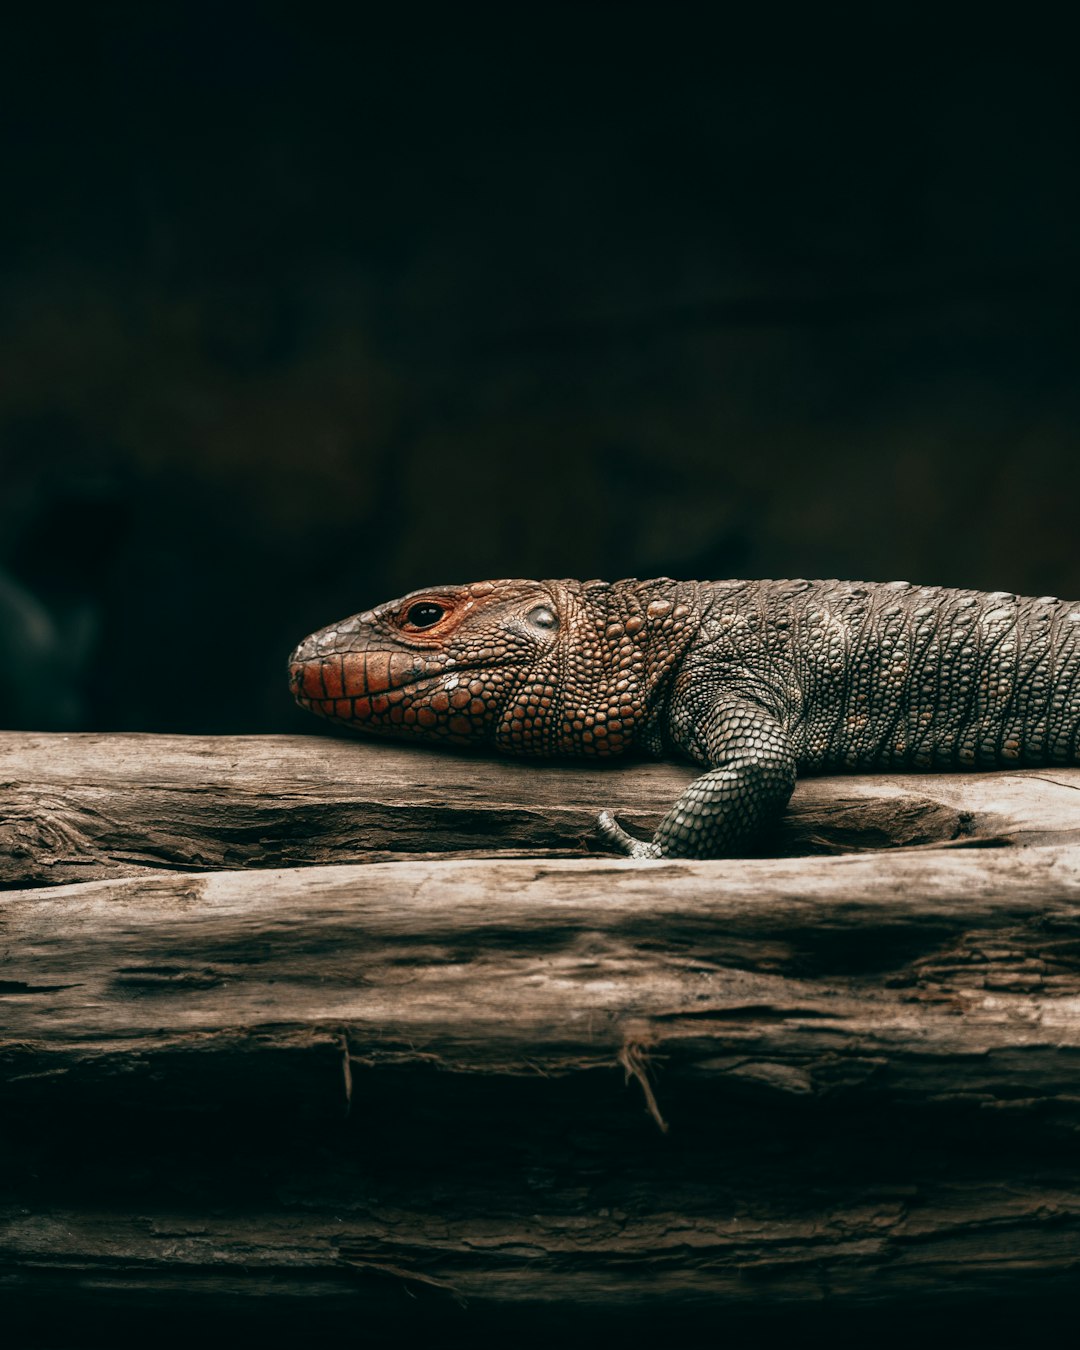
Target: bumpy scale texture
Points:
(756, 680)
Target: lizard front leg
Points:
(751, 777)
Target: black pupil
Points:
(425, 614)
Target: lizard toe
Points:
(614, 834)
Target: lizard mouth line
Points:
(315, 681)
(419, 707)
(369, 674)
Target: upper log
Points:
(86, 807)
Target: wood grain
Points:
(83, 807)
(876, 973)
(516, 1098)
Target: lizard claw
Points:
(614, 834)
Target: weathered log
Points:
(429, 1097)
(872, 974)
(83, 807)
(537, 1230)
(742, 1083)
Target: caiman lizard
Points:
(758, 681)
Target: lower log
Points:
(448, 1204)
(967, 1241)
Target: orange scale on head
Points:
(312, 683)
(376, 672)
(354, 673)
(331, 673)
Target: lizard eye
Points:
(542, 617)
(424, 614)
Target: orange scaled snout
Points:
(316, 674)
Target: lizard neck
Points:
(607, 680)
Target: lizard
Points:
(757, 681)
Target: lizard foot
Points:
(614, 833)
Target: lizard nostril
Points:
(300, 662)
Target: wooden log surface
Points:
(83, 807)
(724, 1082)
(744, 1083)
(757, 1235)
(872, 973)
(432, 1093)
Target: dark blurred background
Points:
(300, 312)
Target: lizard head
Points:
(532, 667)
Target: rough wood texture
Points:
(866, 1067)
(500, 1220)
(78, 808)
(518, 1099)
(875, 973)
(443, 1206)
